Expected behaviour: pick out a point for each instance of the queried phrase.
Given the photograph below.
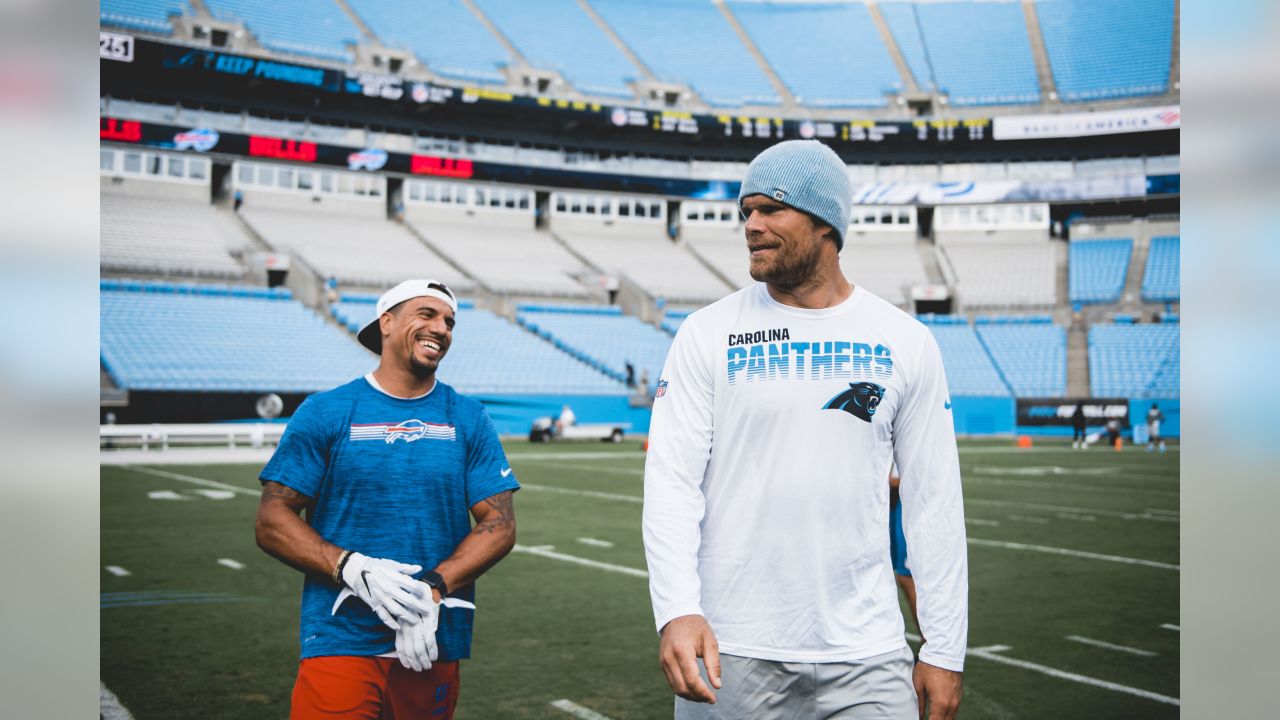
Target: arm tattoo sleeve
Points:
(502, 515)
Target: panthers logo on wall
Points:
(860, 400)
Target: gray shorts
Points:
(878, 688)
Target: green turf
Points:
(548, 629)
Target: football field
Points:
(1073, 560)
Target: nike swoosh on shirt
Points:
(506, 472)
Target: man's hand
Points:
(389, 588)
(683, 641)
(416, 641)
(938, 689)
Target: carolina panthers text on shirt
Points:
(804, 360)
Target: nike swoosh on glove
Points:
(387, 587)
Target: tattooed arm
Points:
(283, 534)
(492, 537)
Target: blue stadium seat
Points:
(1031, 355)
(1162, 277)
(144, 15)
(318, 28)
(1097, 269)
(1104, 49)
(978, 53)
(690, 42)
(559, 35)
(1135, 361)
(970, 370)
(609, 340)
(855, 68)
(444, 34)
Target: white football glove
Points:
(388, 587)
(416, 642)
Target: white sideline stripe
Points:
(1074, 516)
(546, 552)
(1037, 485)
(1072, 553)
(599, 468)
(228, 562)
(1175, 628)
(192, 479)
(109, 705)
(593, 542)
(583, 493)
(1110, 646)
(118, 571)
(984, 523)
(577, 710)
(1028, 519)
(989, 654)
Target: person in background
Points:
(1154, 417)
(1078, 427)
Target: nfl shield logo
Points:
(662, 389)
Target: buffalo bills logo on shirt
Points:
(406, 431)
(860, 400)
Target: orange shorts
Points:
(376, 688)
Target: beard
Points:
(791, 266)
(421, 370)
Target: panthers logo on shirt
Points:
(406, 431)
(860, 400)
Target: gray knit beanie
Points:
(808, 176)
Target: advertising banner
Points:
(1058, 411)
(1102, 122)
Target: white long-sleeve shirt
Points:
(766, 492)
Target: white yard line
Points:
(983, 523)
(577, 710)
(596, 455)
(109, 705)
(117, 571)
(193, 480)
(228, 562)
(593, 542)
(1111, 646)
(991, 654)
(1029, 519)
(1144, 515)
(980, 479)
(546, 552)
(1074, 516)
(1175, 628)
(582, 493)
(1072, 553)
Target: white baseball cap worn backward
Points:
(370, 335)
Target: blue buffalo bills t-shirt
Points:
(391, 478)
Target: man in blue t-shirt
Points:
(388, 468)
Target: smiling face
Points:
(786, 244)
(416, 334)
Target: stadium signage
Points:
(119, 130)
(441, 167)
(1103, 122)
(114, 46)
(281, 149)
(1058, 411)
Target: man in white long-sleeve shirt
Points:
(777, 417)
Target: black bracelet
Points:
(342, 562)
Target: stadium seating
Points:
(1162, 278)
(855, 68)
(673, 319)
(888, 269)
(318, 28)
(901, 19)
(444, 34)
(1135, 360)
(1031, 356)
(601, 335)
(723, 248)
(537, 265)
(1104, 49)
(171, 236)
(690, 42)
(1098, 269)
(969, 368)
(492, 355)
(977, 52)
(650, 260)
(236, 339)
(1003, 274)
(145, 15)
(558, 35)
(353, 250)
